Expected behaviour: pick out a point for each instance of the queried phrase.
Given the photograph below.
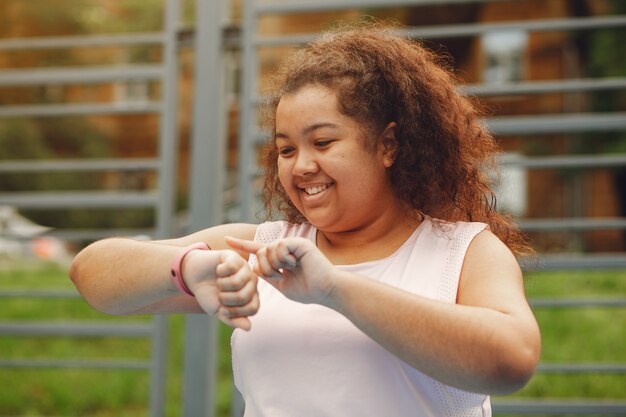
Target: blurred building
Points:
(494, 58)
(503, 57)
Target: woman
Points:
(392, 287)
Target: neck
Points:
(371, 241)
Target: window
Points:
(503, 53)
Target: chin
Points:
(327, 226)
(318, 222)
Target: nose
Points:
(305, 163)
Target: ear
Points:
(389, 144)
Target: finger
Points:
(272, 257)
(298, 247)
(242, 323)
(280, 258)
(237, 322)
(275, 275)
(243, 245)
(238, 316)
(285, 257)
(249, 309)
(230, 265)
(264, 266)
(238, 298)
(236, 281)
(276, 283)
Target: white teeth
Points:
(316, 190)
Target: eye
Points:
(322, 143)
(285, 151)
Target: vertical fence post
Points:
(206, 199)
(158, 372)
(247, 121)
(168, 130)
(168, 153)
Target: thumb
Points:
(207, 297)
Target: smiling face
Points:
(323, 165)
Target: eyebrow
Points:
(309, 129)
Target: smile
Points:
(316, 189)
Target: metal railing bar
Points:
(582, 368)
(80, 75)
(571, 223)
(95, 234)
(573, 407)
(551, 162)
(568, 161)
(63, 329)
(558, 123)
(85, 199)
(91, 234)
(469, 30)
(67, 165)
(600, 261)
(535, 124)
(541, 87)
(85, 364)
(543, 25)
(39, 293)
(51, 42)
(526, 87)
(47, 110)
(320, 6)
(566, 303)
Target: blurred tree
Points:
(68, 137)
(607, 58)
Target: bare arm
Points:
(125, 276)
(488, 342)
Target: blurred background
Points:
(139, 118)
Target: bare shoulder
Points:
(491, 275)
(486, 250)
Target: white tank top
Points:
(304, 360)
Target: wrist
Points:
(177, 267)
(334, 298)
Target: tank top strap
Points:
(462, 234)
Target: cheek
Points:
(369, 178)
(284, 175)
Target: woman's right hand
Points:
(223, 284)
(295, 266)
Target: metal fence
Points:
(160, 199)
(208, 162)
(256, 40)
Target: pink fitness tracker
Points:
(177, 273)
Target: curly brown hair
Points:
(444, 149)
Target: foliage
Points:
(80, 138)
(606, 58)
(44, 139)
(63, 17)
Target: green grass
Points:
(84, 392)
(583, 335)
(579, 335)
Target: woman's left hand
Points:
(295, 266)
